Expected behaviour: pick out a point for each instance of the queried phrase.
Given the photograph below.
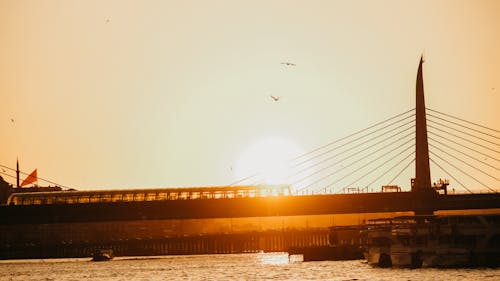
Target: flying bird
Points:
(274, 98)
(12, 120)
(288, 63)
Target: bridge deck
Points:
(244, 207)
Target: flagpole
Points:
(17, 172)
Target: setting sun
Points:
(268, 159)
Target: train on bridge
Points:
(142, 195)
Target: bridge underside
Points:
(245, 207)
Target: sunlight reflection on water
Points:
(262, 266)
(278, 258)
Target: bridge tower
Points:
(422, 170)
(424, 195)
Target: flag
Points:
(30, 179)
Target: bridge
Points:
(334, 179)
(246, 207)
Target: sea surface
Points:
(265, 266)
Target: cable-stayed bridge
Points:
(383, 155)
(359, 173)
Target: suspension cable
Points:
(479, 170)
(353, 134)
(382, 164)
(361, 137)
(465, 154)
(449, 174)
(464, 146)
(357, 146)
(39, 178)
(463, 120)
(394, 166)
(243, 179)
(459, 137)
(447, 162)
(462, 126)
(356, 170)
(356, 161)
(400, 172)
(356, 153)
(11, 176)
(465, 133)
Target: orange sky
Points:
(118, 94)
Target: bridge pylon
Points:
(421, 185)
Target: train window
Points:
(230, 194)
(173, 195)
(106, 198)
(117, 197)
(206, 195)
(161, 196)
(150, 197)
(218, 194)
(128, 197)
(184, 195)
(13, 201)
(251, 193)
(139, 197)
(240, 194)
(195, 195)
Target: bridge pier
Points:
(250, 242)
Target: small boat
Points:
(102, 255)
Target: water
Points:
(223, 267)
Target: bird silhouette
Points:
(274, 98)
(288, 63)
(12, 120)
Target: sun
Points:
(267, 161)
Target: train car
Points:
(156, 194)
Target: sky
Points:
(137, 94)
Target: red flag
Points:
(30, 179)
